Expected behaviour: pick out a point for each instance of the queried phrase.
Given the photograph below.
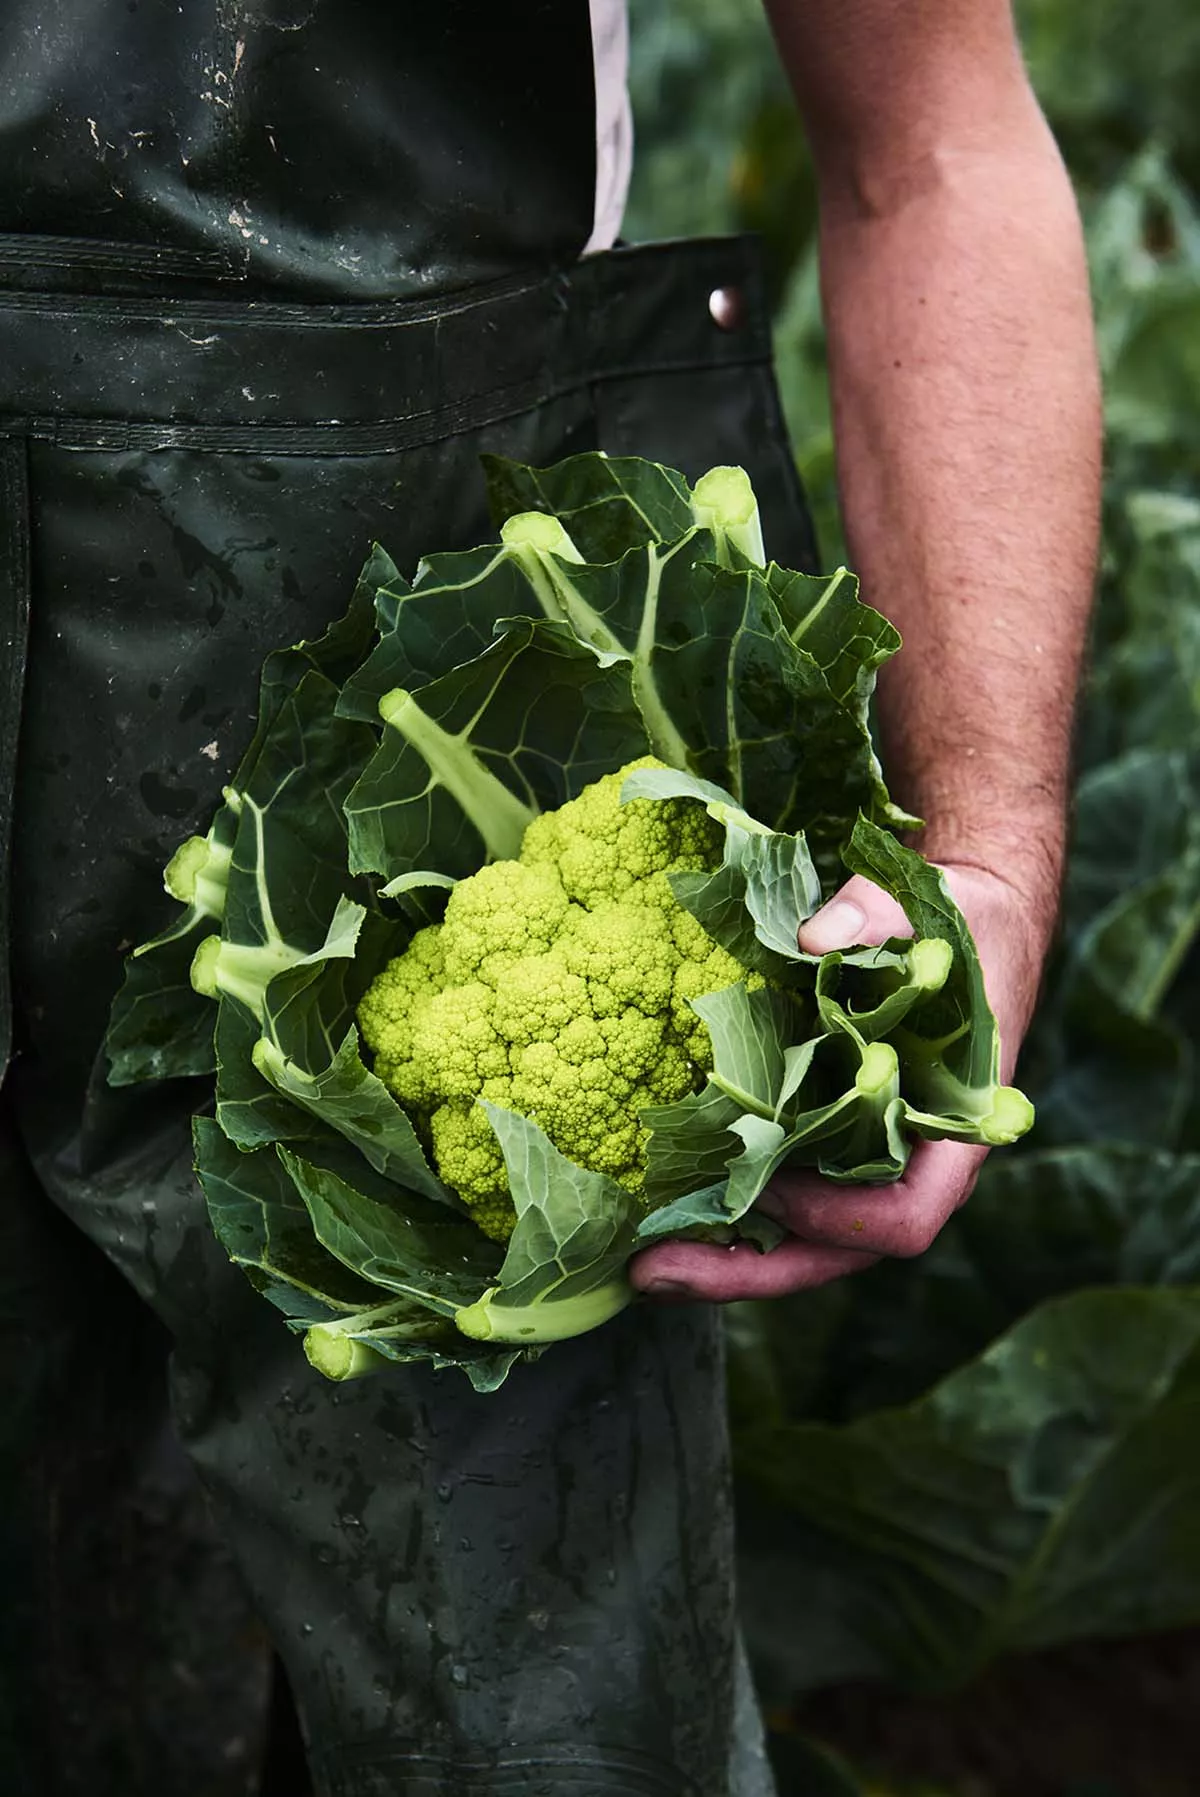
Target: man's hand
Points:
(836, 1229)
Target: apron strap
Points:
(14, 641)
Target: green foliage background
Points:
(998, 1449)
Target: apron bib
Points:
(309, 149)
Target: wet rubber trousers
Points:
(528, 1591)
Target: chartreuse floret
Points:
(557, 986)
(391, 1012)
(599, 848)
(469, 1158)
(505, 910)
(626, 955)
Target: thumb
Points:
(859, 914)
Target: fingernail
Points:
(838, 924)
(665, 1288)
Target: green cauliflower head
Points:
(556, 986)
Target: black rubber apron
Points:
(526, 1591)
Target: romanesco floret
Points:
(391, 1011)
(626, 955)
(504, 911)
(557, 986)
(537, 998)
(456, 1039)
(469, 1159)
(599, 847)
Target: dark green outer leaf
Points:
(450, 617)
(607, 504)
(382, 582)
(720, 683)
(312, 1060)
(575, 1229)
(412, 1246)
(690, 1144)
(309, 1008)
(249, 1110)
(757, 712)
(460, 601)
(824, 616)
(329, 660)
(348, 1098)
(536, 711)
(160, 1027)
(334, 655)
(259, 1220)
(617, 609)
(290, 847)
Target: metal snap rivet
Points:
(727, 307)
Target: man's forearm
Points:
(966, 415)
(968, 439)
